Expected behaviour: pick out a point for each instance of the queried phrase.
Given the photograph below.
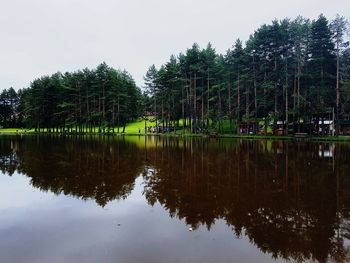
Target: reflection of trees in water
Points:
(82, 167)
(290, 199)
(287, 198)
(8, 158)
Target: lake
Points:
(154, 199)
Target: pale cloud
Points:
(41, 37)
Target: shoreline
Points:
(206, 136)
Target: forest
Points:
(290, 76)
(81, 101)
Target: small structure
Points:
(248, 127)
(323, 123)
(326, 127)
(280, 128)
(326, 150)
(344, 126)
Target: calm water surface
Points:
(133, 199)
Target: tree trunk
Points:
(276, 100)
(337, 93)
(183, 111)
(255, 99)
(238, 104)
(208, 97)
(247, 102)
(286, 91)
(229, 104)
(195, 101)
(298, 96)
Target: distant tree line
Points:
(290, 71)
(11, 105)
(81, 101)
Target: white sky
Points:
(41, 37)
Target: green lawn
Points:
(134, 127)
(16, 130)
(131, 128)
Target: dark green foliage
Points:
(79, 101)
(285, 73)
(290, 73)
(321, 66)
(9, 105)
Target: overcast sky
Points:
(41, 37)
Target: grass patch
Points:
(138, 127)
(16, 130)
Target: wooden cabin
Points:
(248, 127)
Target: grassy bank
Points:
(138, 128)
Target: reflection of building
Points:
(326, 151)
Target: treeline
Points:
(11, 108)
(290, 75)
(81, 101)
(291, 72)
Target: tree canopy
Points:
(287, 72)
(289, 75)
(103, 97)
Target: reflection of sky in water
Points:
(42, 227)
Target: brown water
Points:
(170, 200)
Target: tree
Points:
(338, 27)
(9, 103)
(81, 101)
(322, 68)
